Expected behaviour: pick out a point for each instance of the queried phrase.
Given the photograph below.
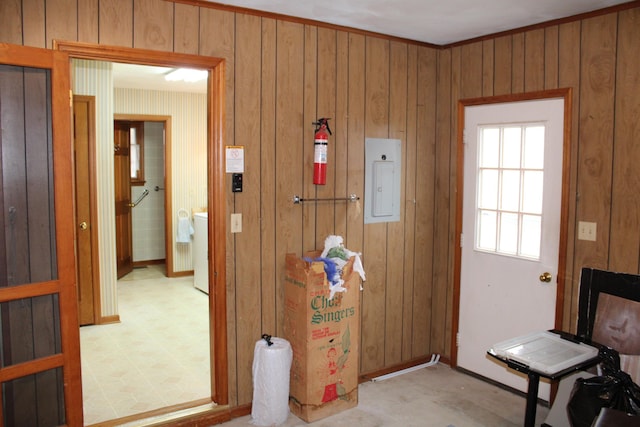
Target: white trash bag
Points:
(272, 359)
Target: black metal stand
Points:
(534, 375)
(532, 399)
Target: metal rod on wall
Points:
(144, 194)
(351, 198)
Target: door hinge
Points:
(457, 339)
(70, 98)
(461, 240)
(464, 136)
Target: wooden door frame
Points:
(216, 197)
(567, 95)
(168, 206)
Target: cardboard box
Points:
(324, 334)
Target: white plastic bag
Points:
(271, 371)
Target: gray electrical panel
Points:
(383, 172)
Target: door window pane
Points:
(489, 147)
(508, 242)
(511, 147)
(19, 396)
(136, 152)
(534, 147)
(30, 329)
(27, 226)
(488, 197)
(510, 194)
(487, 231)
(510, 161)
(532, 192)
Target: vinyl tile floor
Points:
(157, 356)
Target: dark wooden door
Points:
(40, 360)
(122, 184)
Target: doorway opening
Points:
(148, 192)
(215, 199)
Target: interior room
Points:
(418, 76)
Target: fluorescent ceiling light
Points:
(187, 75)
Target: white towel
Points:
(336, 242)
(334, 249)
(185, 229)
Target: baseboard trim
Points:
(104, 320)
(368, 376)
(240, 411)
(181, 273)
(148, 262)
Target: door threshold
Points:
(166, 415)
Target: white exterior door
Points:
(510, 229)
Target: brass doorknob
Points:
(83, 225)
(545, 277)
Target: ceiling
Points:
(430, 21)
(134, 76)
(437, 22)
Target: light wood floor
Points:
(157, 356)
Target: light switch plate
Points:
(587, 231)
(236, 223)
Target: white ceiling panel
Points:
(431, 21)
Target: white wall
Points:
(148, 215)
(94, 78)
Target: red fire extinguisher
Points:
(320, 141)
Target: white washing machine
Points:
(200, 253)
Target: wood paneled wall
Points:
(282, 75)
